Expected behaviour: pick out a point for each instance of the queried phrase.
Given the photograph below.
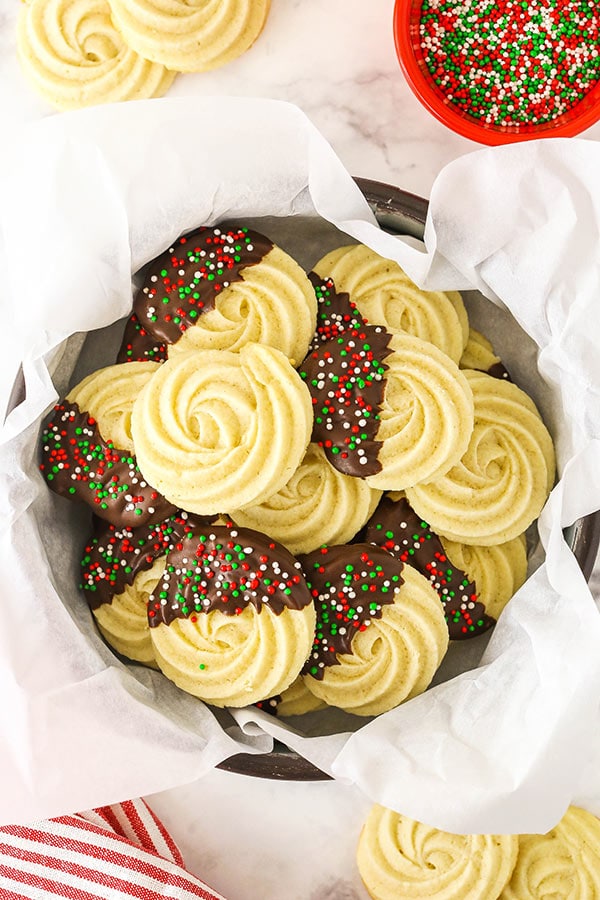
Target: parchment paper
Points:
(88, 198)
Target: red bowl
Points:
(407, 14)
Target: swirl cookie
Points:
(386, 296)
(395, 527)
(498, 572)
(219, 289)
(74, 56)
(398, 857)
(317, 506)
(219, 429)
(190, 36)
(390, 408)
(564, 863)
(124, 622)
(380, 634)
(298, 700)
(479, 354)
(503, 480)
(120, 569)
(87, 448)
(232, 620)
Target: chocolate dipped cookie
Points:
(87, 450)
(219, 289)
(120, 569)
(380, 634)
(391, 409)
(386, 296)
(395, 527)
(231, 620)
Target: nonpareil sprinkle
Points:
(512, 62)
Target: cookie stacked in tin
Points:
(304, 483)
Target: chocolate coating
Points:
(115, 556)
(269, 705)
(349, 584)
(346, 380)
(79, 464)
(184, 281)
(336, 312)
(397, 528)
(227, 569)
(498, 370)
(344, 371)
(138, 345)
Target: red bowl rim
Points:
(569, 124)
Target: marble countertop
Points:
(254, 839)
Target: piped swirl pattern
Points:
(190, 35)
(426, 417)
(400, 858)
(386, 296)
(274, 303)
(235, 660)
(73, 54)
(501, 483)
(124, 621)
(216, 430)
(497, 571)
(564, 863)
(318, 505)
(394, 658)
(109, 394)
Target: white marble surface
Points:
(254, 839)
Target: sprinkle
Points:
(395, 527)
(512, 62)
(337, 577)
(227, 570)
(185, 281)
(343, 372)
(78, 463)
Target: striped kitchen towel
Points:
(116, 852)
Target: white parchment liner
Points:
(86, 199)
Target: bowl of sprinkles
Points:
(498, 71)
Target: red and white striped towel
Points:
(116, 852)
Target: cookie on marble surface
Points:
(190, 36)
(563, 863)
(399, 857)
(232, 620)
(392, 409)
(74, 56)
(385, 295)
(381, 633)
(500, 485)
(318, 505)
(218, 289)
(219, 429)
(87, 449)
